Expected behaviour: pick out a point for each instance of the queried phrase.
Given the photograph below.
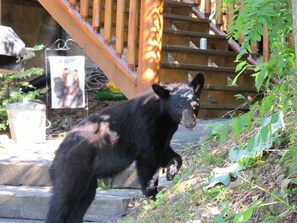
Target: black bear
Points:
(107, 142)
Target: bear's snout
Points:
(188, 119)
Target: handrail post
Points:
(96, 15)
(150, 43)
(132, 33)
(73, 3)
(84, 7)
(120, 27)
(108, 21)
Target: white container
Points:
(27, 122)
(203, 43)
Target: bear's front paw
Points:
(172, 170)
(151, 193)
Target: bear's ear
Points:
(161, 91)
(197, 83)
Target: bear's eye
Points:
(179, 107)
(195, 105)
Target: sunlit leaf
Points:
(224, 133)
(244, 216)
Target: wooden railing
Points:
(126, 32)
(103, 16)
(212, 10)
(142, 48)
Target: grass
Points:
(264, 192)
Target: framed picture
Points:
(67, 81)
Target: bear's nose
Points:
(188, 119)
(191, 126)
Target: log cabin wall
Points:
(30, 21)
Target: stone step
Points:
(22, 165)
(11, 220)
(28, 174)
(32, 203)
(25, 174)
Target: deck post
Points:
(150, 43)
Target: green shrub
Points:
(10, 86)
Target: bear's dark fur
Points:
(107, 142)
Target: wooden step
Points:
(187, 54)
(191, 67)
(211, 111)
(210, 52)
(175, 4)
(193, 34)
(230, 88)
(170, 72)
(222, 97)
(182, 18)
(224, 107)
(178, 8)
(184, 37)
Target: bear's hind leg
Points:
(84, 203)
(71, 183)
(61, 205)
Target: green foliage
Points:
(217, 193)
(209, 158)
(10, 84)
(248, 22)
(251, 159)
(159, 200)
(271, 219)
(241, 217)
(103, 184)
(176, 179)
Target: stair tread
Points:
(28, 191)
(14, 220)
(29, 166)
(188, 49)
(171, 3)
(230, 88)
(32, 203)
(193, 34)
(200, 68)
(223, 107)
(184, 18)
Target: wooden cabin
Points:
(139, 42)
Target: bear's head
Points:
(181, 101)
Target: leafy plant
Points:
(159, 200)
(11, 83)
(248, 23)
(242, 217)
(103, 184)
(276, 78)
(217, 193)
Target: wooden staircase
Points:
(138, 42)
